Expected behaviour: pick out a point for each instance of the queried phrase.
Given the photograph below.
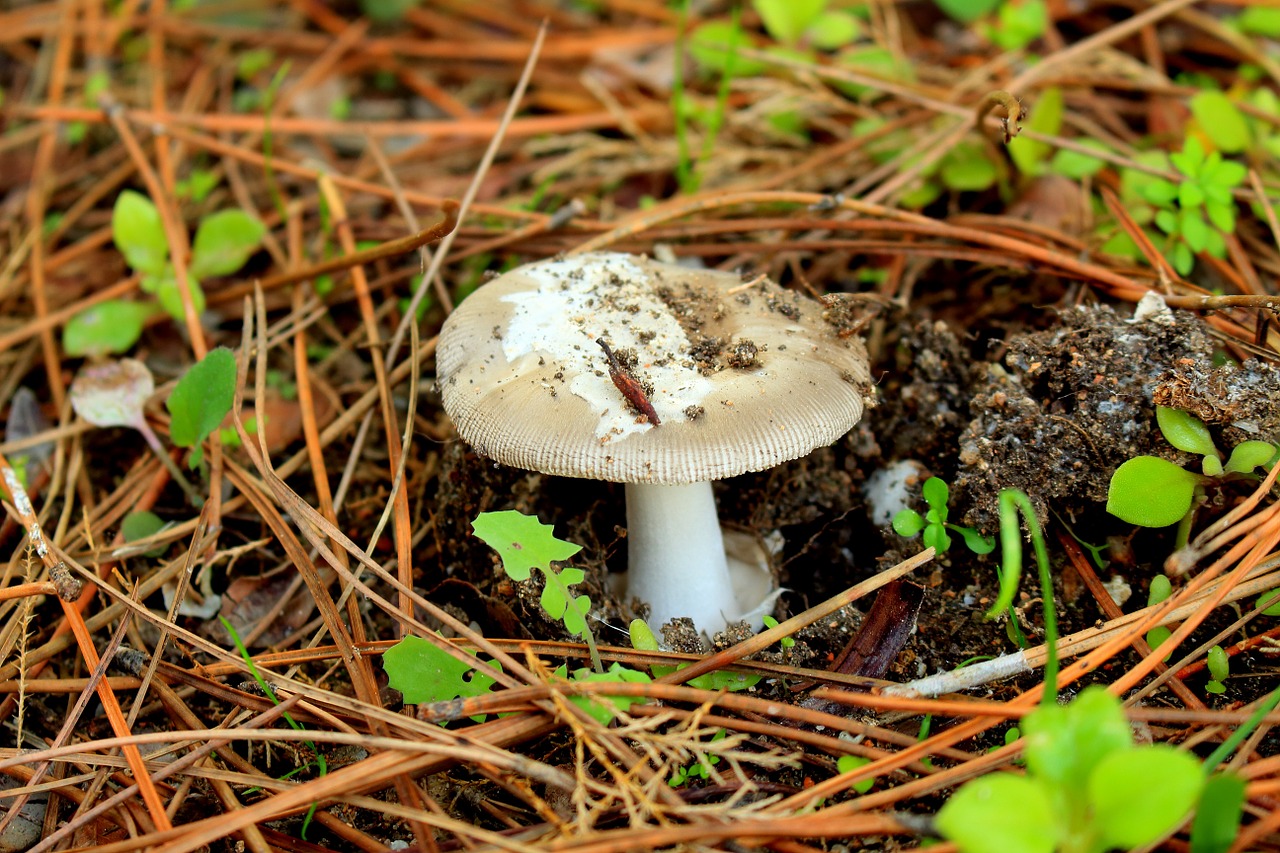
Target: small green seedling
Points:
(1088, 787)
(224, 241)
(1153, 492)
(142, 525)
(1197, 211)
(643, 640)
(524, 543)
(1219, 668)
(934, 523)
(785, 642)
(698, 769)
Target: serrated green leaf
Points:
(1129, 810)
(1249, 455)
(523, 542)
(423, 673)
(109, 327)
(1221, 121)
(224, 241)
(1150, 492)
(1001, 812)
(575, 616)
(202, 398)
(1185, 431)
(138, 233)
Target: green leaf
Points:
(1223, 216)
(875, 60)
(1189, 160)
(1167, 221)
(1274, 609)
(424, 673)
(936, 494)
(1190, 194)
(1001, 813)
(786, 20)
(1160, 589)
(1211, 466)
(833, 30)
(968, 169)
(1018, 23)
(1183, 260)
(140, 525)
(108, 327)
(202, 398)
(1159, 192)
(1217, 821)
(1029, 155)
(1064, 744)
(1140, 795)
(1260, 20)
(1150, 492)
(224, 241)
(712, 44)
(604, 711)
(1221, 121)
(1249, 455)
(138, 233)
(967, 11)
(1073, 164)
(1193, 230)
(935, 537)
(849, 763)
(908, 523)
(1185, 431)
(975, 541)
(1219, 664)
(166, 289)
(522, 541)
(1156, 638)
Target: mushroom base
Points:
(678, 564)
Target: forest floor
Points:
(1053, 224)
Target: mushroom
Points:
(616, 367)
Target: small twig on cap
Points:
(627, 384)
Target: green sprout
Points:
(1197, 211)
(1219, 669)
(223, 243)
(699, 769)
(934, 522)
(1152, 492)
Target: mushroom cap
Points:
(741, 376)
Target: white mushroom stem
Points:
(676, 555)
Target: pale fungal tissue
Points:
(629, 318)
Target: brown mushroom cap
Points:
(741, 376)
